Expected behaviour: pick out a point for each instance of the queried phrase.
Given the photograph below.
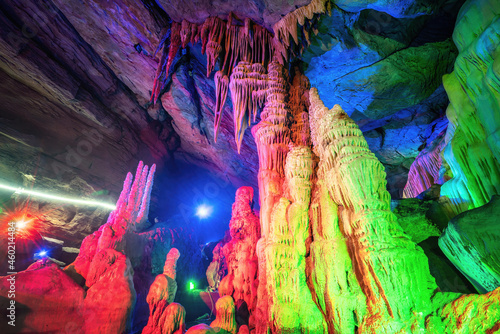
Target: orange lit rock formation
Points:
(240, 252)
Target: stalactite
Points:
(166, 61)
(250, 43)
(216, 33)
(221, 87)
(246, 79)
(287, 26)
(393, 272)
(160, 69)
(188, 32)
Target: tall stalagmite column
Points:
(240, 252)
(393, 272)
(272, 136)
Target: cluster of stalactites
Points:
(221, 40)
(231, 42)
(298, 104)
(248, 86)
(272, 134)
(288, 27)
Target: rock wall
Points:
(472, 149)
(472, 242)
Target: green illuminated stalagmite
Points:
(272, 136)
(335, 286)
(392, 271)
(285, 220)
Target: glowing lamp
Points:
(21, 224)
(41, 254)
(191, 285)
(203, 211)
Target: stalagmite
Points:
(298, 103)
(161, 295)
(335, 287)
(225, 319)
(200, 329)
(130, 214)
(392, 271)
(170, 320)
(240, 251)
(272, 136)
(102, 260)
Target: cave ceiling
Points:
(76, 80)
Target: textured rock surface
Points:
(419, 219)
(472, 149)
(469, 314)
(472, 242)
(42, 292)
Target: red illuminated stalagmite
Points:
(161, 295)
(102, 261)
(241, 281)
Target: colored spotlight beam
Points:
(57, 197)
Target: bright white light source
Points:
(203, 211)
(42, 253)
(58, 198)
(21, 224)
